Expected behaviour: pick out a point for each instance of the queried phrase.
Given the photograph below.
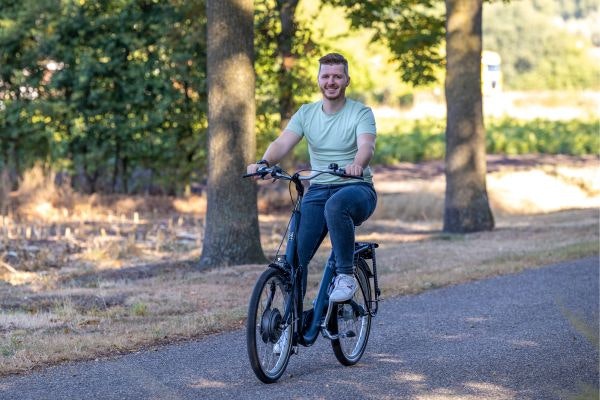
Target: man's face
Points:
(333, 81)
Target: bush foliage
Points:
(424, 140)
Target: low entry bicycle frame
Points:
(307, 334)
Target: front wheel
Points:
(352, 321)
(268, 337)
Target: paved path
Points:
(501, 338)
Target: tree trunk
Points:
(232, 235)
(285, 43)
(466, 205)
(118, 161)
(287, 107)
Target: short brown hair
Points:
(334, 59)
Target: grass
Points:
(120, 282)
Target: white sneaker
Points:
(281, 343)
(344, 287)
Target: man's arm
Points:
(277, 149)
(366, 149)
(281, 146)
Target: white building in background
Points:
(491, 73)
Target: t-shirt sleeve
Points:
(366, 122)
(295, 124)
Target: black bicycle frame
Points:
(289, 265)
(308, 336)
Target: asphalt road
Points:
(501, 338)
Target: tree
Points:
(232, 234)
(288, 59)
(112, 92)
(466, 206)
(129, 91)
(414, 30)
(284, 62)
(24, 138)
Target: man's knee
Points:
(334, 208)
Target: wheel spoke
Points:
(352, 323)
(265, 313)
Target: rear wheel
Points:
(268, 338)
(352, 322)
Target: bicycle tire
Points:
(352, 324)
(264, 329)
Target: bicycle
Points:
(275, 310)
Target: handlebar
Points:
(276, 172)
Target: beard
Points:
(334, 94)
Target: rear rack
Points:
(366, 250)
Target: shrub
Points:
(424, 140)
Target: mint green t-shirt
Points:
(332, 138)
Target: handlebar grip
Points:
(262, 172)
(342, 172)
(353, 177)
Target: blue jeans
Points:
(336, 209)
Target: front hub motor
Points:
(270, 324)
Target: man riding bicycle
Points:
(342, 131)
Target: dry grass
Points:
(516, 186)
(85, 277)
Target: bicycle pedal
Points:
(342, 302)
(295, 350)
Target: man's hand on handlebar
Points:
(252, 168)
(254, 171)
(353, 169)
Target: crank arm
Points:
(324, 329)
